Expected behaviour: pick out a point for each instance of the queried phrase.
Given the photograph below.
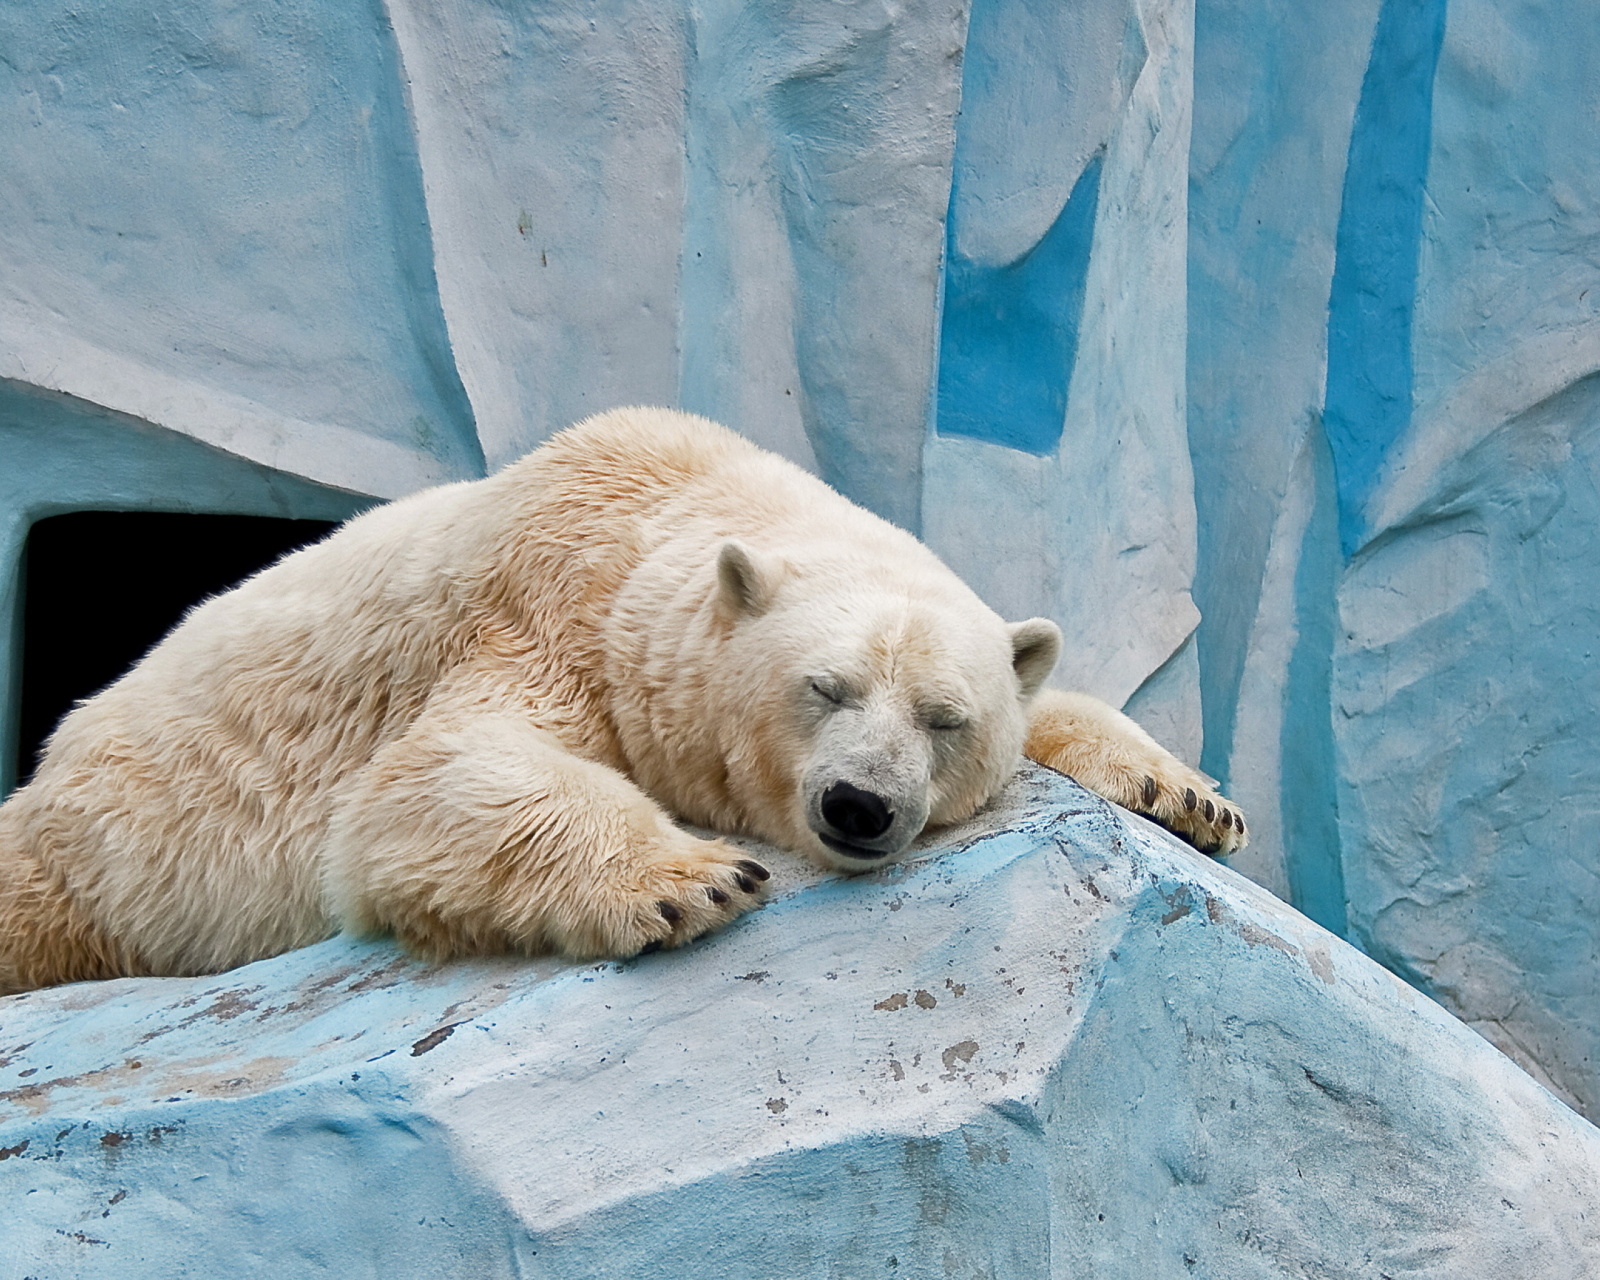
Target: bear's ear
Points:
(745, 581)
(1035, 646)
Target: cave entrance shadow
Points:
(100, 588)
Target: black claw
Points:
(1227, 817)
(747, 884)
(1149, 791)
(1190, 799)
(1238, 822)
(650, 948)
(670, 912)
(715, 894)
(753, 868)
(1211, 810)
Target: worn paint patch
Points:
(433, 1039)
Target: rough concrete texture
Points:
(213, 219)
(1058, 1043)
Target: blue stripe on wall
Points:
(1308, 756)
(1368, 401)
(1009, 334)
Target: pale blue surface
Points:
(1068, 1047)
(1394, 334)
(1010, 320)
(231, 196)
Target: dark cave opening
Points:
(100, 588)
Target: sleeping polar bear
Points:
(471, 718)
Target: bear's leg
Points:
(45, 937)
(479, 832)
(1075, 734)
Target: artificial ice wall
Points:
(1394, 335)
(1254, 341)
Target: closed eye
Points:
(823, 691)
(944, 718)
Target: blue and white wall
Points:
(1254, 341)
(1394, 332)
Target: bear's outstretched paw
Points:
(690, 888)
(1174, 796)
(1111, 755)
(1189, 809)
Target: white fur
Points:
(471, 716)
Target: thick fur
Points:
(470, 718)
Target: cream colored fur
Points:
(470, 718)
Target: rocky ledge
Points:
(1056, 1044)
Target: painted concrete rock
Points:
(1058, 1044)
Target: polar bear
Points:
(473, 718)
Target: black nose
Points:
(854, 813)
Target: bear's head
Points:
(852, 701)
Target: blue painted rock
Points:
(1055, 1044)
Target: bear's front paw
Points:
(1179, 799)
(1112, 756)
(1176, 797)
(684, 888)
